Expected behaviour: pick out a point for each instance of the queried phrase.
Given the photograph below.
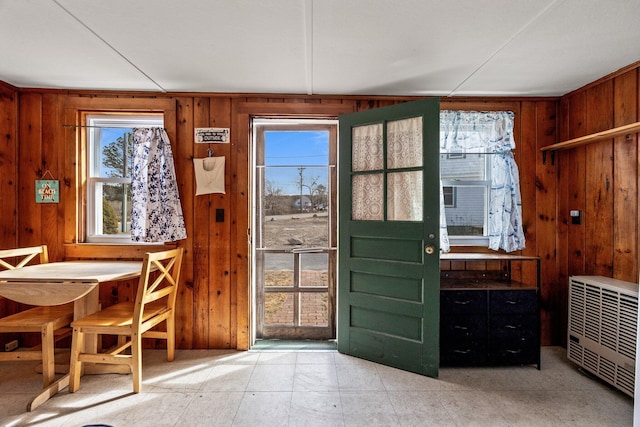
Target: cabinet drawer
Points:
(463, 352)
(514, 301)
(457, 302)
(456, 327)
(515, 352)
(514, 327)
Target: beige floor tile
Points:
(305, 388)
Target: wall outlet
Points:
(11, 345)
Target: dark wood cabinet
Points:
(486, 318)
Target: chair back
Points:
(158, 285)
(10, 259)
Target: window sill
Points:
(112, 251)
(469, 241)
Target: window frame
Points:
(94, 120)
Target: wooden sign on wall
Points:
(47, 191)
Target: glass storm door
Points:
(389, 272)
(294, 243)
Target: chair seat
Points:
(118, 315)
(33, 319)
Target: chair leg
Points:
(75, 369)
(171, 339)
(48, 354)
(136, 361)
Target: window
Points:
(449, 196)
(482, 204)
(466, 184)
(109, 160)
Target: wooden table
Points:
(59, 283)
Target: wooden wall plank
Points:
(527, 157)
(8, 184)
(182, 143)
(70, 184)
(239, 215)
(573, 176)
(201, 239)
(563, 203)
(220, 232)
(52, 162)
(625, 189)
(8, 167)
(554, 292)
(599, 183)
(30, 169)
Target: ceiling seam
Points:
(117, 52)
(544, 11)
(308, 34)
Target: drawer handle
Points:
(464, 328)
(462, 302)
(512, 302)
(462, 351)
(511, 326)
(514, 351)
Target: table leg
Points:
(48, 392)
(88, 304)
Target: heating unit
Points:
(603, 314)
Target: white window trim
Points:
(94, 201)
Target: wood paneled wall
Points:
(600, 180)
(214, 301)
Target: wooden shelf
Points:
(588, 139)
(594, 137)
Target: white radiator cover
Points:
(602, 329)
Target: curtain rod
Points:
(108, 127)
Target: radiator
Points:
(603, 314)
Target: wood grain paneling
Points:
(220, 257)
(601, 179)
(214, 301)
(182, 141)
(599, 183)
(8, 167)
(8, 183)
(625, 188)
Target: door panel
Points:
(389, 282)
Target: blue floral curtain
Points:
(156, 210)
(489, 132)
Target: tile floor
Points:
(317, 388)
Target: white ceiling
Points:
(366, 47)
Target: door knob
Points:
(429, 249)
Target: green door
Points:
(389, 269)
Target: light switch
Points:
(576, 216)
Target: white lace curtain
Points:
(488, 132)
(156, 212)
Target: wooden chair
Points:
(132, 321)
(52, 322)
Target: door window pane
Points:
(366, 148)
(404, 196)
(404, 143)
(366, 197)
